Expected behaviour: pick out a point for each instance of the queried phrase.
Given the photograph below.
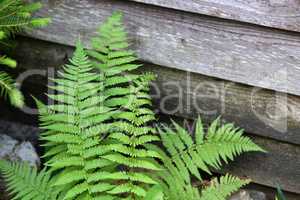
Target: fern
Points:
(25, 182)
(75, 129)
(99, 139)
(15, 16)
(126, 93)
(187, 158)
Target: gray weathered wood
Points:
(238, 52)
(259, 111)
(283, 14)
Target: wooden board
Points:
(283, 14)
(258, 111)
(225, 49)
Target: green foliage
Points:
(187, 158)
(222, 188)
(75, 130)
(15, 15)
(99, 138)
(127, 94)
(25, 182)
(8, 89)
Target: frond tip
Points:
(221, 142)
(8, 89)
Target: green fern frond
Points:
(25, 182)
(15, 15)
(75, 129)
(8, 62)
(127, 94)
(221, 189)
(8, 89)
(221, 143)
(187, 157)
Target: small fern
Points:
(25, 182)
(15, 16)
(187, 157)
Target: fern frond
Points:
(75, 127)
(25, 182)
(8, 61)
(126, 93)
(15, 15)
(8, 89)
(221, 143)
(221, 189)
(187, 157)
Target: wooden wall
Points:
(238, 59)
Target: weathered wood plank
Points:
(283, 14)
(259, 111)
(238, 52)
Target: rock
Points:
(26, 152)
(7, 145)
(14, 150)
(249, 195)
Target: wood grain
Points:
(283, 14)
(262, 112)
(242, 53)
(258, 111)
